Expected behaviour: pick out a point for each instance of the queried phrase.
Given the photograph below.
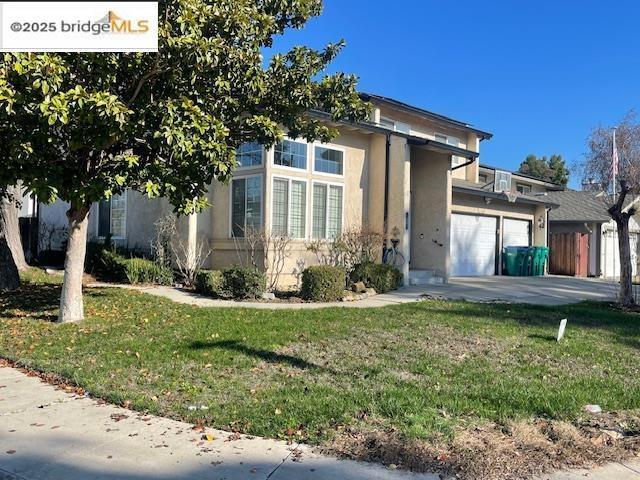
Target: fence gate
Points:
(569, 254)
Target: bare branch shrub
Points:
(351, 247)
(168, 247)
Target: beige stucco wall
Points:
(431, 211)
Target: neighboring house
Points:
(582, 219)
(408, 172)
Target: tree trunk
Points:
(9, 278)
(626, 281)
(71, 306)
(10, 225)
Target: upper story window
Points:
(249, 154)
(523, 188)
(395, 125)
(482, 178)
(112, 216)
(502, 182)
(453, 141)
(328, 160)
(246, 204)
(289, 153)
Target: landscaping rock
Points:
(268, 296)
(359, 287)
(592, 409)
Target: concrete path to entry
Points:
(48, 434)
(549, 290)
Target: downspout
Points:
(463, 165)
(387, 168)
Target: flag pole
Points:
(614, 165)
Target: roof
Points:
(578, 206)
(523, 175)
(425, 113)
(472, 188)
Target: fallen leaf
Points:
(208, 437)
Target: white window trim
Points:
(290, 179)
(126, 211)
(326, 214)
(518, 184)
(330, 146)
(249, 167)
(456, 160)
(262, 198)
(292, 169)
(395, 125)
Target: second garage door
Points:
(516, 233)
(473, 245)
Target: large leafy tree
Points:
(621, 193)
(166, 124)
(552, 169)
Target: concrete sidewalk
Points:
(46, 433)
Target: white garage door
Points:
(473, 245)
(515, 233)
(611, 253)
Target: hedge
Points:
(244, 282)
(210, 283)
(323, 283)
(381, 277)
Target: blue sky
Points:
(537, 74)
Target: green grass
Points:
(420, 368)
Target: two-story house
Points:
(408, 172)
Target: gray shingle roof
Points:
(578, 206)
(466, 186)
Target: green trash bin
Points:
(526, 262)
(539, 260)
(510, 265)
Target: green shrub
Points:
(141, 270)
(105, 263)
(323, 283)
(381, 277)
(244, 282)
(210, 283)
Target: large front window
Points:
(289, 207)
(246, 205)
(291, 154)
(327, 210)
(112, 216)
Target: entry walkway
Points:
(550, 290)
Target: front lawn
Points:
(428, 378)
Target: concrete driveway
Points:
(549, 290)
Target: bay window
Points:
(289, 207)
(327, 210)
(246, 204)
(249, 154)
(288, 153)
(328, 160)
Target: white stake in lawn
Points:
(563, 324)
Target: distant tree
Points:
(86, 126)
(552, 170)
(621, 194)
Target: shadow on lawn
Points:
(266, 355)
(38, 302)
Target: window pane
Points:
(328, 160)
(440, 138)
(254, 203)
(334, 227)
(290, 154)
(280, 206)
(298, 209)
(319, 211)
(118, 215)
(238, 188)
(249, 154)
(104, 218)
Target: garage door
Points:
(611, 253)
(473, 245)
(515, 233)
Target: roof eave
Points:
(502, 196)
